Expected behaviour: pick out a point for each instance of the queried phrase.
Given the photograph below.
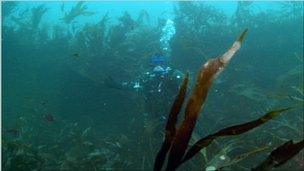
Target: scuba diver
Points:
(156, 88)
(161, 83)
(159, 87)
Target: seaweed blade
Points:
(207, 74)
(170, 126)
(233, 130)
(280, 155)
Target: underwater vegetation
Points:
(79, 10)
(176, 142)
(59, 114)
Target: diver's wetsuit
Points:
(159, 90)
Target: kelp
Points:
(127, 22)
(292, 10)
(243, 12)
(117, 34)
(93, 36)
(233, 130)
(170, 126)
(19, 18)
(199, 27)
(63, 50)
(216, 158)
(176, 142)
(37, 13)
(280, 155)
(76, 11)
(34, 18)
(207, 74)
(143, 17)
(242, 157)
(224, 161)
(8, 7)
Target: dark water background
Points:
(57, 113)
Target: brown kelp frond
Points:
(280, 155)
(239, 129)
(242, 157)
(233, 130)
(226, 57)
(170, 126)
(176, 107)
(204, 81)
